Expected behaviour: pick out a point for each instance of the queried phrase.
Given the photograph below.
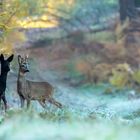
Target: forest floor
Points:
(87, 113)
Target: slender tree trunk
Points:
(127, 9)
(123, 13)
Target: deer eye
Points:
(22, 65)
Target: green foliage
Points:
(119, 80)
(120, 76)
(11, 12)
(61, 115)
(136, 76)
(35, 126)
(102, 37)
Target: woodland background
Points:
(90, 51)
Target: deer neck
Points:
(21, 76)
(3, 77)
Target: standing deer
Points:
(31, 90)
(5, 68)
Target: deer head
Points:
(5, 64)
(23, 64)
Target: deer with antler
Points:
(30, 90)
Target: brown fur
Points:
(30, 90)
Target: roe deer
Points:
(30, 90)
(5, 68)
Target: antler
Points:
(26, 57)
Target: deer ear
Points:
(19, 59)
(10, 58)
(1, 57)
(26, 58)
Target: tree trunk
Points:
(127, 9)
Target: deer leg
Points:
(0, 101)
(42, 103)
(53, 101)
(28, 103)
(5, 102)
(22, 100)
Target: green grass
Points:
(61, 125)
(104, 118)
